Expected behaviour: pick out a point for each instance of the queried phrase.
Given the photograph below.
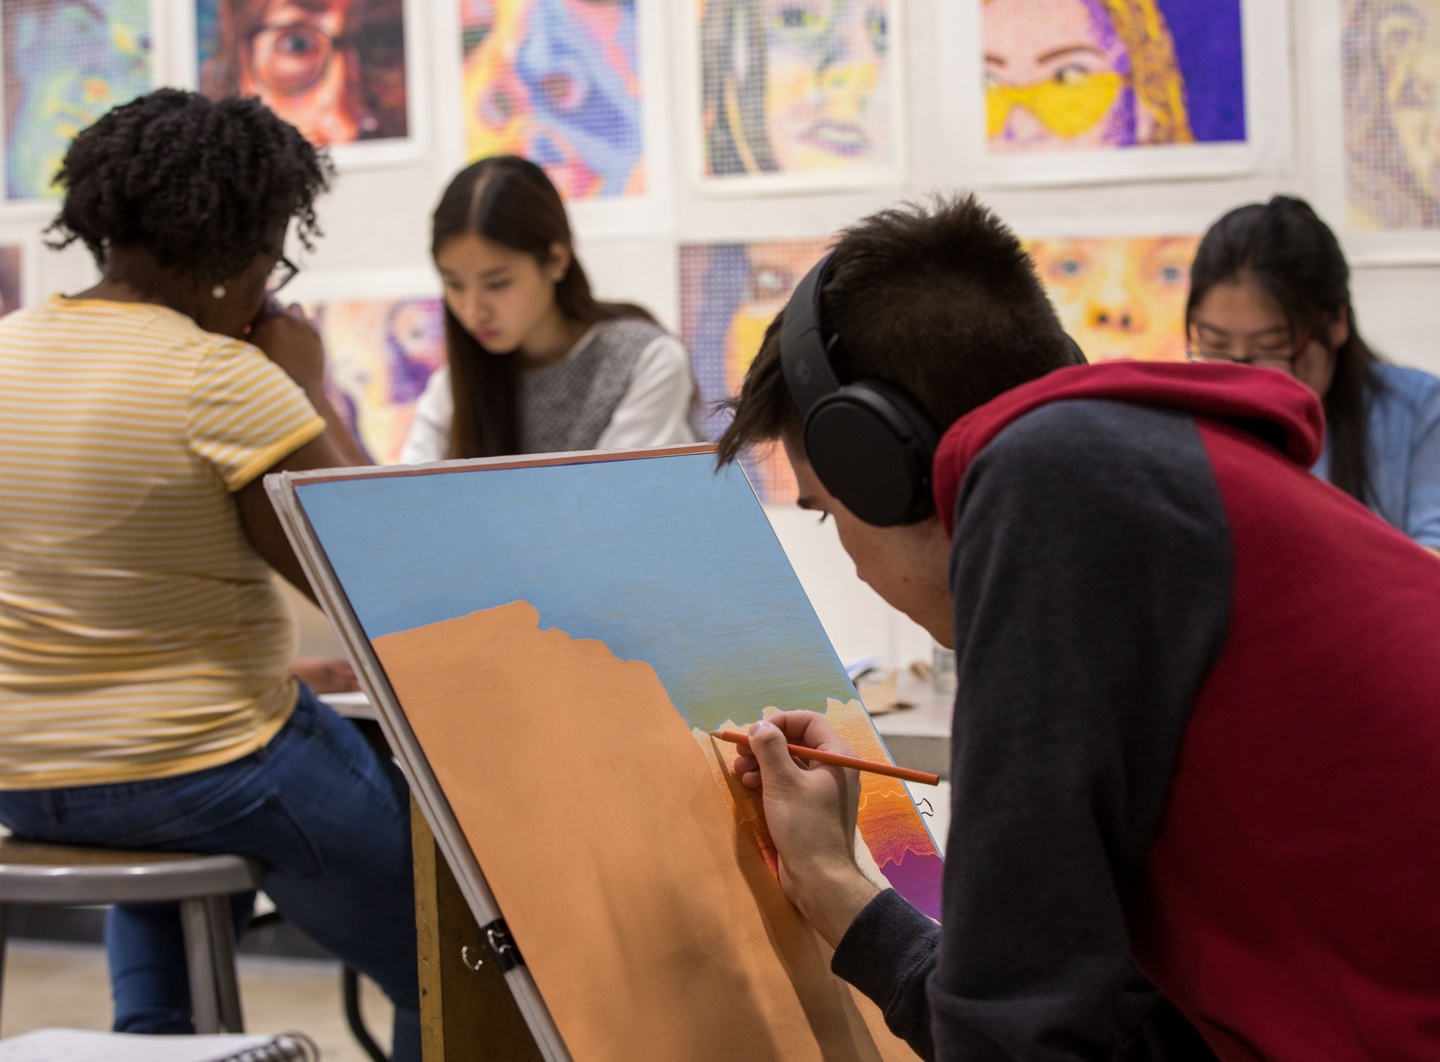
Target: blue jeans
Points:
(327, 815)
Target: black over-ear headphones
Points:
(869, 442)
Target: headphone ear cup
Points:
(872, 448)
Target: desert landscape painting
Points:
(561, 637)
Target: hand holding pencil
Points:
(810, 812)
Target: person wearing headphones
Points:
(1194, 725)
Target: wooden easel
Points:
(466, 1015)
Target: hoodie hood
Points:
(1277, 409)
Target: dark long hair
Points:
(507, 200)
(1283, 248)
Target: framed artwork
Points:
(729, 294)
(559, 82)
(379, 354)
(1119, 296)
(343, 72)
(1065, 91)
(1377, 169)
(794, 96)
(550, 641)
(66, 62)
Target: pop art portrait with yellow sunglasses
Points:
(1119, 88)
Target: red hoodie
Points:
(1290, 900)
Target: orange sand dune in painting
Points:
(647, 917)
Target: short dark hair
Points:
(939, 298)
(201, 184)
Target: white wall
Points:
(376, 224)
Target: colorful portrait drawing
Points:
(378, 355)
(1103, 74)
(796, 86)
(729, 294)
(11, 259)
(557, 81)
(334, 69)
(66, 63)
(1117, 296)
(1391, 63)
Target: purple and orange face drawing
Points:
(557, 82)
(379, 355)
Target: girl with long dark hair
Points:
(1271, 287)
(535, 363)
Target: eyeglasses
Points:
(1068, 104)
(1283, 360)
(282, 274)
(294, 56)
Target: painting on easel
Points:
(561, 635)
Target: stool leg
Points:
(222, 951)
(200, 964)
(4, 928)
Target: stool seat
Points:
(201, 884)
(59, 874)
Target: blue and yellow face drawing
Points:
(67, 62)
(557, 82)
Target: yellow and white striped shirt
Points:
(140, 635)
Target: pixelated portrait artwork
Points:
(729, 294)
(334, 69)
(799, 88)
(379, 354)
(557, 81)
(11, 259)
(1097, 74)
(1119, 297)
(1391, 63)
(66, 62)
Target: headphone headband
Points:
(869, 442)
(804, 350)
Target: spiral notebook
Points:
(76, 1045)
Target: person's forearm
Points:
(831, 898)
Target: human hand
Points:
(289, 340)
(810, 811)
(325, 674)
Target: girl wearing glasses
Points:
(144, 694)
(1271, 287)
(535, 363)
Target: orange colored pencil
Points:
(837, 760)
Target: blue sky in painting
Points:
(662, 559)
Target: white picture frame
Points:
(1265, 31)
(861, 176)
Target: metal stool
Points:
(73, 877)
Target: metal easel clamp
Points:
(507, 955)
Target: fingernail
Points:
(764, 726)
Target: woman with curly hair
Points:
(1081, 74)
(144, 697)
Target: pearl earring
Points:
(218, 291)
